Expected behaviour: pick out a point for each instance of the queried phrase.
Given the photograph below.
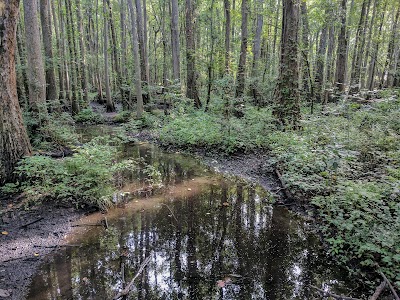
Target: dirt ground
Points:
(24, 246)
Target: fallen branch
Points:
(30, 223)
(325, 293)
(378, 290)
(127, 289)
(390, 286)
(284, 188)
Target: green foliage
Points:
(57, 132)
(366, 222)
(200, 129)
(88, 116)
(123, 117)
(86, 178)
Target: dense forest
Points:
(313, 85)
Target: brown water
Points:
(207, 237)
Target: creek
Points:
(207, 236)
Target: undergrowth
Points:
(88, 178)
(344, 162)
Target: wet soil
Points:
(24, 246)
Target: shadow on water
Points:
(208, 238)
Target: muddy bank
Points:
(27, 237)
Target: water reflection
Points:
(208, 238)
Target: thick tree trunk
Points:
(84, 80)
(305, 63)
(135, 44)
(287, 108)
(227, 11)
(243, 52)
(59, 44)
(14, 142)
(51, 89)
(74, 74)
(341, 61)
(191, 89)
(109, 103)
(257, 51)
(36, 76)
(175, 39)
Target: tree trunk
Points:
(135, 44)
(191, 89)
(84, 80)
(51, 88)
(14, 142)
(387, 77)
(74, 74)
(109, 103)
(287, 108)
(359, 49)
(36, 76)
(243, 52)
(257, 51)
(305, 63)
(175, 39)
(341, 61)
(320, 64)
(374, 54)
(227, 11)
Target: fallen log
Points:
(378, 291)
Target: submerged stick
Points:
(127, 289)
(325, 293)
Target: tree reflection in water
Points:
(225, 241)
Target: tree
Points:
(175, 39)
(109, 102)
(14, 142)
(287, 107)
(191, 89)
(135, 44)
(341, 61)
(36, 76)
(51, 88)
(243, 52)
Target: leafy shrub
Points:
(58, 132)
(88, 116)
(123, 117)
(86, 178)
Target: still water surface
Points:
(208, 237)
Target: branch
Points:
(390, 286)
(378, 290)
(325, 293)
(30, 223)
(127, 289)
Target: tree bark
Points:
(14, 141)
(243, 52)
(175, 39)
(74, 74)
(191, 89)
(227, 11)
(320, 64)
(341, 61)
(257, 50)
(36, 76)
(135, 44)
(287, 108)
(84, 80)
(51, 88)
(109, 103)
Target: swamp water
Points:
(208, 237)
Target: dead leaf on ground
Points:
(4, 293)
(223, 282)
(225, 204)
(4, 232)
